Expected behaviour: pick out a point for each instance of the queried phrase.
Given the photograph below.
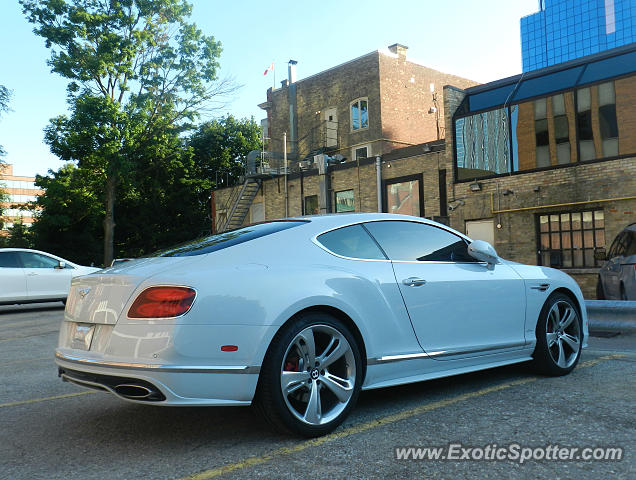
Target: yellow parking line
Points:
(252, 461)
(46, 399)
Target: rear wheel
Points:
(559, 336)
(311, 376)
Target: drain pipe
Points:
(285, 166)
(378, 173)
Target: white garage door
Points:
(481, 230)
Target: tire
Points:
(310, 391)
(600, 292)
(559, 336)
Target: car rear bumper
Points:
(177, 385)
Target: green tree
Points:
(19, 236)
(220, 148)
(138, 71)
(5, 96)
(68, 223)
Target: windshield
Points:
(213, 243)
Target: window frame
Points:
(358, 102)
(305, 204)
(560, 231)
(466, 239)
(335, 200)
(407, 178)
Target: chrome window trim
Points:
(238, 369)
(315, 240)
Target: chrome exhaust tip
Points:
(135, 392)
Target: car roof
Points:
(322, 223)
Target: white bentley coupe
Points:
(298, 315)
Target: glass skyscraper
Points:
(567, 29)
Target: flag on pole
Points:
(271, 67)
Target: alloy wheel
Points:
(563, 334)
(318, 374)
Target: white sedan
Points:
(28, 276)
(299, 315)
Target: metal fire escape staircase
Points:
(241, 203)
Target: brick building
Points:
(21, 191)
(542, 165)
(362, 108)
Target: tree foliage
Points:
(139, 75)
(69, 221)
(5, 96)
(165, 200)
(19, 236)
(220, 148)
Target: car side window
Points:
(630, 248)
(614, 247)
(621, 241)
(413, 241)
(36, 260)
(9, 260)
(353, 241)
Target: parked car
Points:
(617, 277)
(299, 315)
(28, 276)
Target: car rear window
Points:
(353, 242)
(223, 240)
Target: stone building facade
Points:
(362, 108)
(542, 165)
(21, 192)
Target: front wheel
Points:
(311, 376)
(559, 336)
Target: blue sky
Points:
(476, 40)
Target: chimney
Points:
(291, 70)
(398, 49)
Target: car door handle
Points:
(32, 274)
(413, 281)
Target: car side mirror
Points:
(61, 265)
(483, 251)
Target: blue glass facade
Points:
(567, 29)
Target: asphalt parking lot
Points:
(50, 429)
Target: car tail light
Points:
(162, 302)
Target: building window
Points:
(404, 195)
(359, 114)
(483, 144)
(561, 129)
(311, 205)
(541, 134)
(345, 201)
(358, 153)
(584, 124)
(574, 126)
(569, 239)
(608, 124)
